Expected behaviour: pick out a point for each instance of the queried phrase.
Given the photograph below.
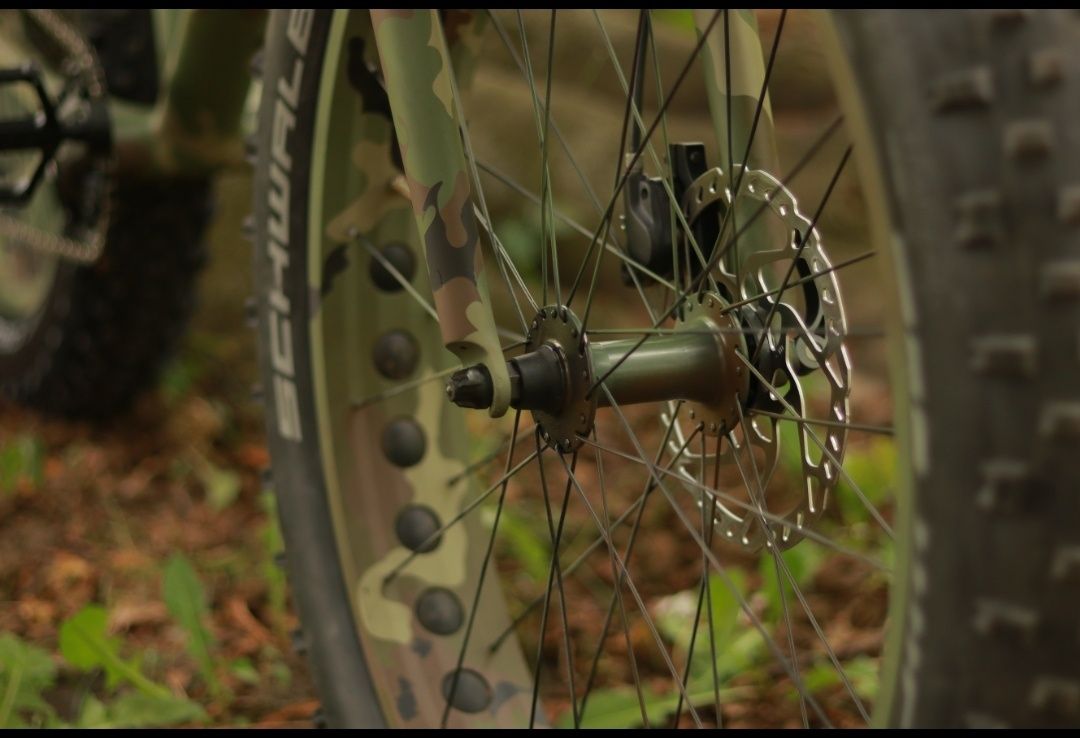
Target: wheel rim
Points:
(385, 424)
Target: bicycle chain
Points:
(80, 62)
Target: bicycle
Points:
(428, 380)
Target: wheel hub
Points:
(718, 414)
(556, 376)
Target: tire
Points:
(983, 154)
(329, 639)
(105, 329)
(973, 115)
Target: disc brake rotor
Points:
(804, 339)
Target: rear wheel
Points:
(769, 541)
(82, 337)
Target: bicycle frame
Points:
(196, 126)
(196, 129)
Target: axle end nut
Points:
(471, 387)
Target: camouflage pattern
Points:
(364, 201)
(747, 73)
(416, 66)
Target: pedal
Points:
(73, 116)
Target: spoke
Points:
(729, 499)
(615, 577)
(730, 145)
(506, 264)
(547, 217)
(629, 550)
(637, 505)
(850, 333)
(480, 580)
(704, 596)
(483, 461)
(803, 280)
(759, 501)
(753, 126)
(408, 287)
(707, 534)
(840, 467)
(673, 201)
(632, 266)
(637, 596)
(627, 122)
(476, 502)
(803, 240)
(781, 565)
(541, 133)
(402, 388)
(580, 229)
(878, 429)
(405, 283)
(506, 267)
(554, 574)
(474, 175)
(609, 210)
(720, 569)
(672, 206)
(719, 254)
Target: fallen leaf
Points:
(66, 569)
(302, 710)
(33, 610)
(125, 615)
(241, 616)
(253, 456)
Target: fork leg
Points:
(416, 67)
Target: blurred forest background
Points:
(138, 583)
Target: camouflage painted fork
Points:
(417, 69)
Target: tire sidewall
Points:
(297, 39)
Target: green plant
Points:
(21, 460)
(220, 486)
(25, 672)
(861, 671)
(274, 574)
(85, 644)
(186, 601)
(742, 647)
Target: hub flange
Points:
(719, 412)
(565, 414)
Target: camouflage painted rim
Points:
(449, 520)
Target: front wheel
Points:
(684, 557)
